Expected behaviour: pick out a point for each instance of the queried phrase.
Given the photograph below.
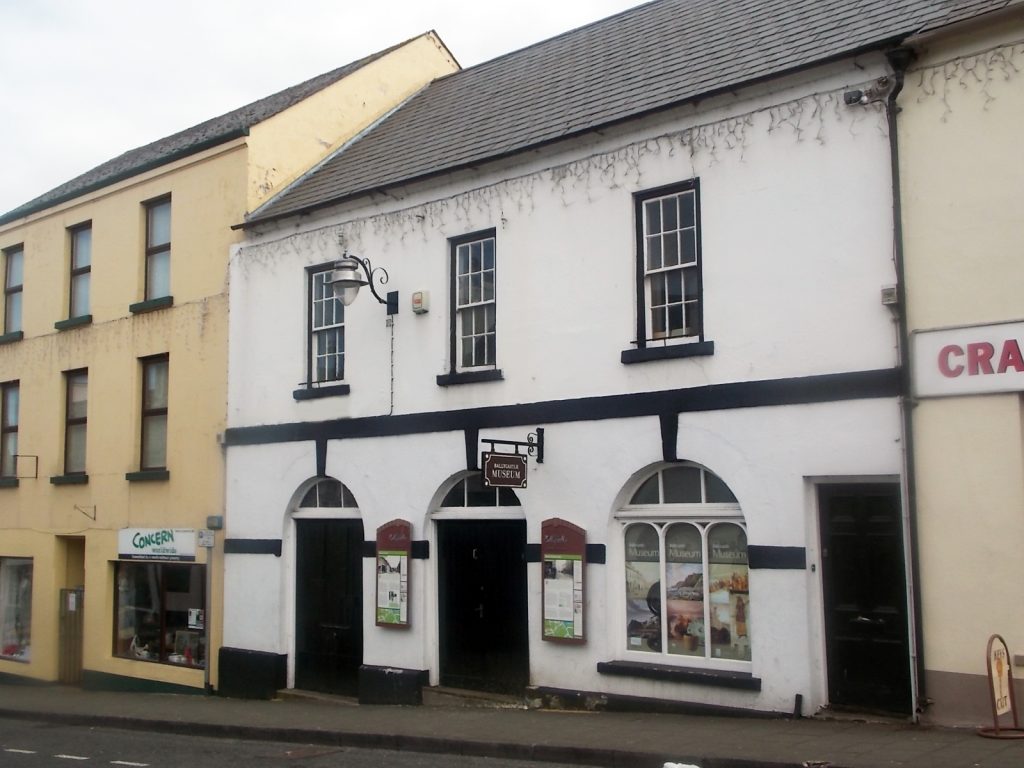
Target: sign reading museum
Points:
(972, 360)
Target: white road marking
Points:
(125, 762)
(20, 751)
(71, 757)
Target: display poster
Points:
(729, 592)
(394, 542)
(643, 588)
(684, 574)
(563, 556)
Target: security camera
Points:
(855, 97)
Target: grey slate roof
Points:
(642, 60)
(190, 141)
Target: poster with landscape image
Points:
(643, 588)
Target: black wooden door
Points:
(865, 597)
(328, 605)
(483, 605)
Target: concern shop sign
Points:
(174, 544)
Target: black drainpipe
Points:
(900, 59)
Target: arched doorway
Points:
(328, 590)
(483, 622)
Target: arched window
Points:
(687, 581)
(471, 492)
(328, 493)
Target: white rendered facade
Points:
(795, 243)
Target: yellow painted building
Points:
(113, 380)
(962, 168)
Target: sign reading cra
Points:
(171, 544)
(969, 360)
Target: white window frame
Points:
(474, 292)
(677, 318)
(321, 297)
(704, 515)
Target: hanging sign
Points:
(394, 543)
(563, 552)
(1000, 680)
(172, 544)
(504, 470)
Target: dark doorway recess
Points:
(483, 606)
(328, 605)
(865, 590)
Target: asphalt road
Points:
(25, 744)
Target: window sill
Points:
(79, 479)
(647, 354)
(663, 672)
(7, 338)
(469, 377)
(151, 304)
(148, 476)
(314, 393)
(8, 482)
(73, 322)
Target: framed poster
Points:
(394, 542)
(563, 551)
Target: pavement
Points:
(633, 740)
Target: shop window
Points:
(161, 612)
(686, 572)
(16, 608)
(328, 493)
(471, 492)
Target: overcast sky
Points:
(82, 81)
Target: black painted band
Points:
(252, 547)
(826, 388)
(777, 558)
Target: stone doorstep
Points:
(440, 696)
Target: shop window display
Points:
(161, 610)
(16, 608)
(686, 571)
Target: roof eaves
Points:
(50, 202)
(254, 220)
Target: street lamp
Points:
(351, 273)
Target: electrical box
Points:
(421, 302)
